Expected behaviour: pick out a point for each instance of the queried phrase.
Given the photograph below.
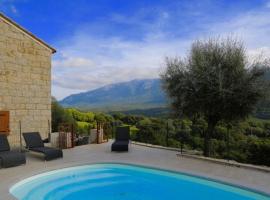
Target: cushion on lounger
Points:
(33, 139)
(49, 153)
(11, 158)
(120, 146)
(4, 145)
(122, 133)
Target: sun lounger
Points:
(121, 139)
(9, 158)
(34, 143)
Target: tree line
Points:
(247, 141)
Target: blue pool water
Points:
(124, 182)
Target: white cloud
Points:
(110, 60)
(73, 62)
(253, 28)
(8, 7)
(60, 92)
(261, 53)
(90, 61)
(13, 9)
(267, 4)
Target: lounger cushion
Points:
(33, 140)
(4, 145)
(122, 133)
(11, 158)
(120, 146)
(49, 153)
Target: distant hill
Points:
(143, 97)
(132, 95)
(160, 112)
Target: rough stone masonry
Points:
(25, 80)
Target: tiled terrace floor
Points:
(137, 155)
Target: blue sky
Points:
(100, 42)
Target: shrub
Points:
(259, 151)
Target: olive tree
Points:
(215, 81)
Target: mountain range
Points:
(131, 95)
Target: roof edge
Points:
(10, 21)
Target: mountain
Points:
(135, 94)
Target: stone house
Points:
(25, 81)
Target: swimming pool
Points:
(124, 182)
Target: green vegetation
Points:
(247, 141)
(151, 112)
(82, 121)
(215, 82)
(83, 128)
(60, 115)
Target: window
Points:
(4, 122)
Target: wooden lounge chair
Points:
(34, 143)
(9, 158)
(121, 139)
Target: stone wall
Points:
(25, 81)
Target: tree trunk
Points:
(207, 138)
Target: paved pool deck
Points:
(140, 155)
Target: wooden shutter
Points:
(4, 122)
